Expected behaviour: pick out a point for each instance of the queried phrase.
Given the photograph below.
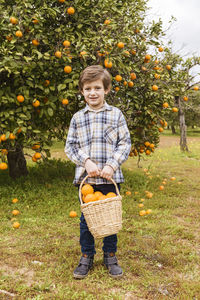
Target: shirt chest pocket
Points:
(111, 134)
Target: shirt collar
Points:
(106, 106)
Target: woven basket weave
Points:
(103, 217)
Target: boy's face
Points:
(94, 93)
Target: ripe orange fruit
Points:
(19, 130)
(15, 200)
(143, 69)
(148, 152)
(149, 195)
(117, 89)
(58, 54)
(196, 88)
(140, 205)
(65, 101)
(36, 103)
(70, 10)
(160, 129)
(107, 63)
(165, 105)
(35, 147)
(154, 87)
(148, 211)
(18, 33)
(160, 49)
(107, 22)
(35, 42)
(173, 178)
(157, 76)
(9, 37)
(66, 43)
(161, 187)
(185, 98)
(15, 212)
(147, 57)
(174, 109)
(3, 166)
(13, 20)
(168, 67)
(142, 200)
(87, 189)
(110, 195)
(133, 52)
(34, 159)
(98, 194)
(130, 84)
(4, 151)
(61, 1)
(3, 137)
(142, 213)
(120, 45)
(156, 68)
(72, 214)
(35, 21)
(147, 144)
(125, 83)
(37, 155)
(118, 78)
(128, 193)
(16, 225)
(20, 98)
(137, 30)
(12, 136)
(67, 69)
(47, 82)
(103, 197)
(133, 76)
(152, 146)
(90, 198)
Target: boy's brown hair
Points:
(93, 73)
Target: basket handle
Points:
(84, 179)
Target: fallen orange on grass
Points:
(72, 214)
(128, 193)
(16, 225)
(15, 200)
(15, 212)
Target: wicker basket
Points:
(103, 217)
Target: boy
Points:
(98, 142)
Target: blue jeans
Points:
(86, 238)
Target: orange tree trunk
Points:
(17, 163)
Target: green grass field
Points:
(159, 252)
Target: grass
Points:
(191, 132)
(159, 252)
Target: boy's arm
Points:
(72, 146)
(123, 147)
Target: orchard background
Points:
(44, 45)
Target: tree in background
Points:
(184, 86)
(44, 47)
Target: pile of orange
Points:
(88, 194)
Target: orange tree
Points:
(184, 85)
(44, 45)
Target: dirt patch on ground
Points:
(170, 141)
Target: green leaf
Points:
(50, 112)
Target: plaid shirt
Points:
(102, 136)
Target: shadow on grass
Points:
(52, 171)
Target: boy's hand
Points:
(91, 168)
(107, 172)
